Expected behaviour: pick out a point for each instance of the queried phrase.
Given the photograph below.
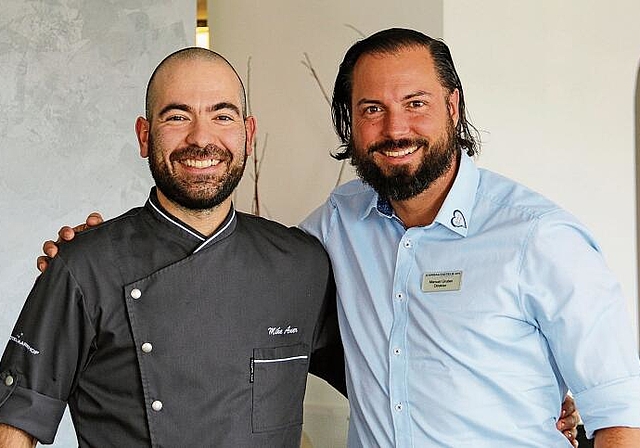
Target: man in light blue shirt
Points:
(460, 290)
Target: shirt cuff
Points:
(612, 404)
(30, 411)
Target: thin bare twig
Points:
(355, 29)
(258, 158)
(307, 63)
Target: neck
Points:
(422, 209)
(204, 221)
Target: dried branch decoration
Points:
(307, 63)
(258, 158)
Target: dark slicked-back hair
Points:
(186, 54)
(391, 41)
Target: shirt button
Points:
(398, 407)
(147, 347)
(8, 381)
(136, 293)
(399, 297)
(397, 351)
(156, 405)
(407, 244)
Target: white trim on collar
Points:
(175, 223)
(205, 241)
(219, 232)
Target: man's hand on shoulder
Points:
(569, 420)
(66, 233)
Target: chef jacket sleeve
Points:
(47, 349)
(327, 357)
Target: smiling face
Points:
(403, 122)
(196, 138)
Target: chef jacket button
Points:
(156, 405)
(147, 347)
(136, 293)
(8, 381)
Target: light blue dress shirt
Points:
(486, 363)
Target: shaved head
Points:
(186, 55)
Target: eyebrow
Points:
(186, 108)
(409, 96)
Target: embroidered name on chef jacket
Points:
(441, 281)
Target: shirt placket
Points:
(398, 362)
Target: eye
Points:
(224, 118)
(176, 118)
(415, 104)
(373, 109)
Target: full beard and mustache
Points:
(399, 183)
(195, 192)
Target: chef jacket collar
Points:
(225, 227)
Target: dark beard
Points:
(195, 193)
(400, 184)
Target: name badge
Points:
(441, 281)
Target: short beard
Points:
(203, 193)
(400, 184)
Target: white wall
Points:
(553, 84)
(73, 75)
(297, 173)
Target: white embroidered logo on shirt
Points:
(18, 340)
(275, 331)
(458, 219)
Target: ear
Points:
(250, 128)
(142, 132)
(453, 104)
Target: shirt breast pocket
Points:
(279, 377)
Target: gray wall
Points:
(72, 79)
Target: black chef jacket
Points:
(158, 336)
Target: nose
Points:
(199, 134)
(396, 124)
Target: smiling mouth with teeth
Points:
(200, 163)
(400, 153)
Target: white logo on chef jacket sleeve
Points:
(18, 340)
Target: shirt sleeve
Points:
(318, 223)
(577, 304)
(49, 345)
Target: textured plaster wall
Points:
(72, 79)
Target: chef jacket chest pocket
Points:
(279, 377)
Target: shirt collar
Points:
(456, 209)
(226, 227)
(455, 212)
(379, 204)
